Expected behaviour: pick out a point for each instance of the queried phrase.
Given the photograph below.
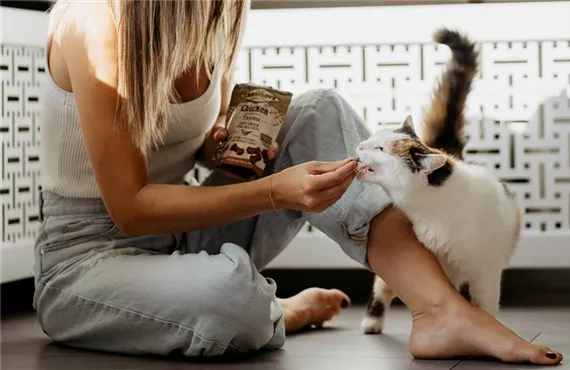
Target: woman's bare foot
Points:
(464, 331)
(312, 306)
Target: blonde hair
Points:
(157, 41)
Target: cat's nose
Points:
(359, 147)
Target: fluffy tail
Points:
(444, 120)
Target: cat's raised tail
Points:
(444, 120)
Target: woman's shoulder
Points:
(89, 24)
(83, 34)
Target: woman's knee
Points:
(324, 103)
(321, 125)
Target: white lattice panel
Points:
(523, 137)
(23, 70)
(519, 119)
(519, 115)
(282, 67)
(556, 63)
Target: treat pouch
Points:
(255, 116)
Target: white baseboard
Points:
(17, 262)
(315, 251)
(539, 250)
(534, 251)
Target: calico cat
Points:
(467, 218)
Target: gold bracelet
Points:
(271, 192)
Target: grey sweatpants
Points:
(197, 293)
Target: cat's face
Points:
(396, 158)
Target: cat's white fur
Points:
(470, 222)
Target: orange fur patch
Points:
(434, 117)
(402, 148)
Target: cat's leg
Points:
(485, 291)
(379, 302)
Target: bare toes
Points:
(532, 353)
(330, 304)
(339, 299)
(543, 355)
(313, 307)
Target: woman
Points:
(130, 259)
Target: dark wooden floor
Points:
(340, 345)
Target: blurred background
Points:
(379, 55)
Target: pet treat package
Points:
(255, 116)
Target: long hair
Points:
(157, 41)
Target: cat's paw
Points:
(372, 325)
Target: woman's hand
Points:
(312, 186)
(213, 140)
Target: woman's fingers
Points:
(273, 150)
(313, 186)
(324, 167)
(219, 133)
(335, 192)
(333, 178)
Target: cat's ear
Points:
(431, 162)
(408, 128)
(409, 123)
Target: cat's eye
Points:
(380, 148)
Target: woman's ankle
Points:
(438, 304)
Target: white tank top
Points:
(66, 169)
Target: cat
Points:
(467, 218)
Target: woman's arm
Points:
(121, 169)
